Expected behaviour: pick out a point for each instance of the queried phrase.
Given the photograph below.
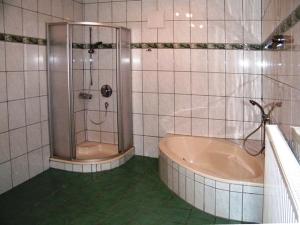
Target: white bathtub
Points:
(214, 175)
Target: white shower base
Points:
(94, 150)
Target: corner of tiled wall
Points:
(201, 92)
(24, 138)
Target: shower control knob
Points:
(106, 91)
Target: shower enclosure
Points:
(89, 84)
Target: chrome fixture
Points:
(265, 118)
(106, 91)
(84, 95)
(279, 42)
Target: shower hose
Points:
(262, 125)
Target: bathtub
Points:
(214, 175)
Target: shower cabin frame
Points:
(123, 90)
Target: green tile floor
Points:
(131, 194)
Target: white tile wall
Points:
(24, 138)
(161, 73)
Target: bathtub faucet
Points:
(265, 118)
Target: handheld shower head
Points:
(258, 105)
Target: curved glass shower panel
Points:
(99, 82)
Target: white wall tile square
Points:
(30, 22)
(217, 128)
(252, 205)
(236, 206)
(198, 9)
(34, 139)
(199, 60)
(150, 103)
(199, 31)
(137, 102)
(3, 117)
(183, 125)
(216, 84)
(210, 198)
(200, 83)
(149, 59)
(35, 159)
(166, 104)
(215, 9)
(148, 6)
(182, 59)
(181, 10)
(105, 12)
(4, 147)
(233, 10)
(16, 111)
(151, 146)
(137, 81)
(216, 31)
(166, 125)
(165, 59)
(199, 127)
(216, 61)
(15, 85)
(33, 110)
(165, 34)
(32, 83)
(134, 10)
(234, 85)
(30, 4)
(234, 129)
(165, 82)
(182, 31)
(13, 26)
(20, 170)
(183, 105)
(182, 82)
(234, 109)
(14, 57)
(222, 203)
(167, 6)
(252, 9)
(136, 31)
(150, 83)
(18, 143)
(199, 106)
(148, 34)
(190, 191)
(234, 32)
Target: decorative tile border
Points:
(196, 46)
(39, 41)
(22, 39)
(91, 167)
(226, 200)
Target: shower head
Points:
(258, 105)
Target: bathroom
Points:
(149, 111)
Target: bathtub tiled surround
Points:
(24, 139)
(230, 200)
(91, 167)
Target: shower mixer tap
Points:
(266, 118)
